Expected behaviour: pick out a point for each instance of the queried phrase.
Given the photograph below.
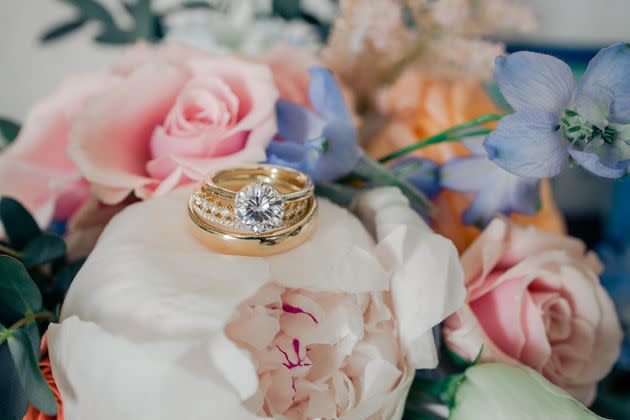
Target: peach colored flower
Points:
(176, 115)
(44, 364)
(418, 107)
(334, 328)
(534, 298)
(35, 169)
(290, 72)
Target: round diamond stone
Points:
(259, 207)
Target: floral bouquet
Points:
(438, 281)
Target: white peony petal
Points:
(102, 376)
(427, 281)
(348, 266)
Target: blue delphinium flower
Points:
(321, 142)
(497, 191)
(555, 118)
(424, 174)
(616, 280)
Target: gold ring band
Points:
(253, 210)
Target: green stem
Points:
(10, 252)
(445, 136)
(28, 319)
(379, 174)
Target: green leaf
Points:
(33, 382)
(65, 275)
(13, 402)
(143, 19)
(115, 36)
(17, 290)
(9, 129)
(63, 29)
(287, 9)
(92, 9)
(45, 248)
(18, 223)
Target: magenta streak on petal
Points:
(296, 310)
(293, 388)
(300, 361)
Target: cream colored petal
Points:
(102, 376)
(427, 281)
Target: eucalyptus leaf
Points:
(143, 19)
(287, 9)
(18, 291)
(92, 9)
(115, 36)
(65, 275)
(19, 225)
(45, 248)
(13, 401)
(9, 129)
(63, 29)
(30, 376)
(32, 330)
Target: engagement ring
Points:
(254, 210)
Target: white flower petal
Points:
(427, 281)
(103, 376)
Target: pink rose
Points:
(34, 168)
(176, 115)
(534, 298)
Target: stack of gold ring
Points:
(253, 210)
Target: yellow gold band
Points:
(253, 210)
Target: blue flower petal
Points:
(529, 144)
(289, 154)
(467, 174)
(530, 80)
(504, 194)
(593, 163)
(340, 154)
(326, 97)
(297, 124)
(425, 174)
(593, 104)
(474, 145)
(610, 69)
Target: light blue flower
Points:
(321, 142)
(556, 119)
(424, 174)
(497, 191)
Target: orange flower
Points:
(420, 107)
(44, 364)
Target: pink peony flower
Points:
(176, 115)
(334, 328)
(34, 168)
(534, 298)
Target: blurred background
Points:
(42, 40)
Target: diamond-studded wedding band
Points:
(254, 210)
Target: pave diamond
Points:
(259, 207)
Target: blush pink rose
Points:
(177, 115)
(534, 298)
(35, 169)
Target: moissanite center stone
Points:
(259, 207)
